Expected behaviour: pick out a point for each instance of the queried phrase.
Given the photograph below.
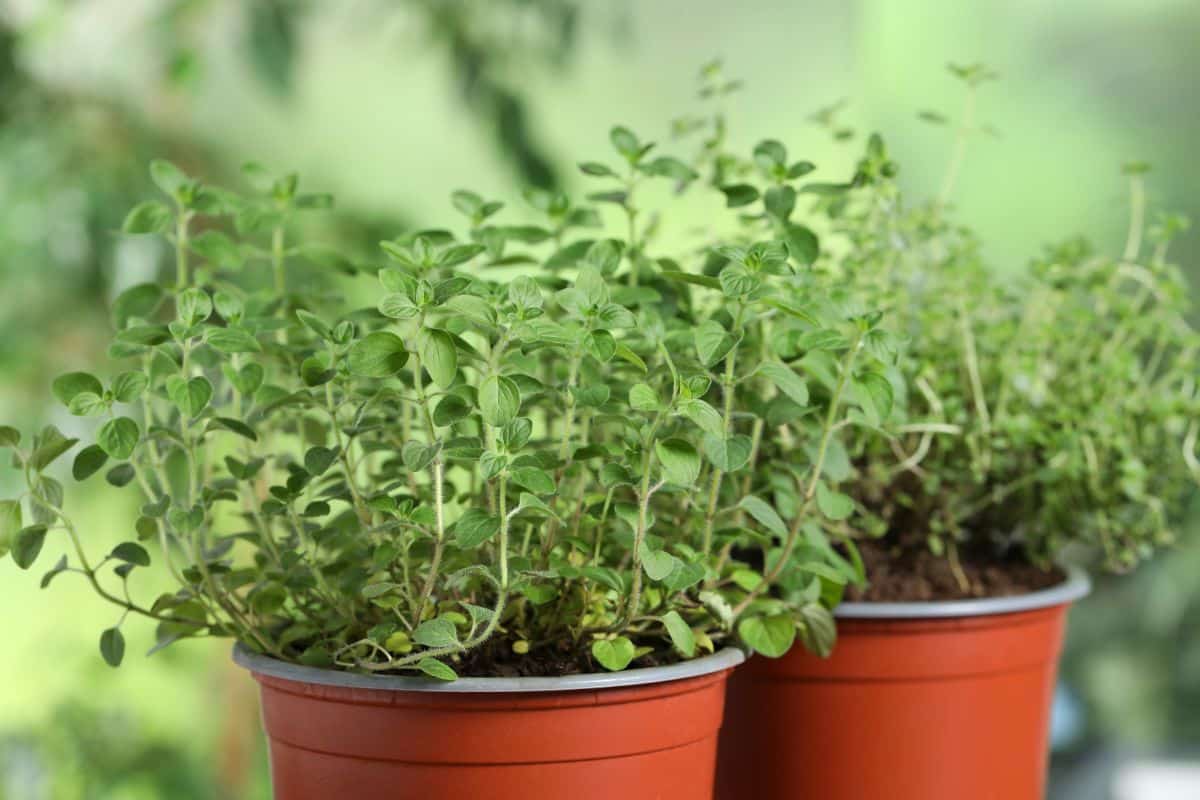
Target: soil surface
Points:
(496, 659)
(910, 572)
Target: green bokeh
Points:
(392, 105)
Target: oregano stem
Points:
(959, 152)
(810, 492)
(1137, 217)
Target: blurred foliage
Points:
(89, 92)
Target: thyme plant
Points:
(1047, 410)
(541, 449)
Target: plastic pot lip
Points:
(724, 659)
(1076, 586)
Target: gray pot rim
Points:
(1076, 585)
(723, 659)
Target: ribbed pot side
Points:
(938, 701)
(487, 738)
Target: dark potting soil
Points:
(909, 572)
(496, 659)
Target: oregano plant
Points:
(542, 448)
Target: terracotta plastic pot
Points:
(919, 701)
(645, 733)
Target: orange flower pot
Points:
(919, 701)
(645, 733)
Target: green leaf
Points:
(681, 635)
(818, 630)
(233, 426)
(875, 395)
(120, 475)
(529, 502)
(625, 142)
(67, 387)
(535, 480)
(439, 632)
(822, 339)
(50, 444)
(667, 167)
(771, 636)
(112, 647)
(834, 505)
(474, 528)
(459, 254)
(499, 400)
(147, 218)
(131, 553)
(189, 396)
(88, 462)
(658, 564)
(9, 436)
(315, 324)
(140, 301)
(747, 579)
(11, 522)
(739, 194)
(692, 278)
(786, 379)
(643, 398)
(318, 459)
(779, 202)
(766, 515)
(439, 356)
(727, 454)
(418, 455)
(398, 305)
(436, 669)
(59, 567)
(680, 461)
(770, 154)
(713, 342)
(800, 168)
(591, 396)
(449, 410)
(118, 437)
(625, 354)
(602, 345)
(193, 306)
(27, 544)
(86, 404)
(685, 575)
(596, 169)
(613, 654)
(473, 308)
(377, 355)
(218, 249)
(737, 282)
(246, 380)
(802, 244)
(167, 176)
(373, 590)
(705, 416)
(232, 340)
(129, 386)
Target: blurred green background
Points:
(390, 105)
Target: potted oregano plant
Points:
(1051, 417)
(506, 525)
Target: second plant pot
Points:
(641, 734)
(919, 701)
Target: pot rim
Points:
(1076, 586)
(723, 659)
